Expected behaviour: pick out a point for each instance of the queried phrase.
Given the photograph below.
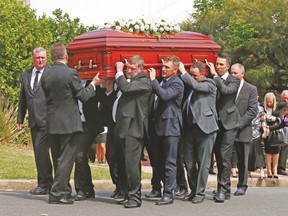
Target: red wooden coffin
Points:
(99, 50)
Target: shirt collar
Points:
(225, 76)
(34, 70)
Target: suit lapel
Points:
(241, 93)
(29, 75)
(39, 82)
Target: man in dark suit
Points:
(63, 89)
(92, 127)
(167, 117)
(227, 87)
(131, 127)
(32, 98)
(200, 128)
(108, 96)
(247, 105)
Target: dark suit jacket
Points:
(227, 110)
(91, 112)
(106, 106)
(63, 88)
(132, 110)
(247, 105)
(203, 103)
(34, 102)
(168, 115)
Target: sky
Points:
(98, 12)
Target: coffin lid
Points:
(114, 38)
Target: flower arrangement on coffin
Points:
(157, 27)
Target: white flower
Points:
(142, 28)
(155, 26)
(136, 27)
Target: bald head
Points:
(238, 70)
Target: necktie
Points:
(36, 80)
(188, 110)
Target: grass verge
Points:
(18, 163)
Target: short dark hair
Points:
(225, 56)
(58, 51)
(200, 66)
(174, 59)
(137, 60)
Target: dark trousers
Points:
(166, 164)
(197, 148)
(242, 151)
(111, 156)
(223, 152)
(282, 158)
(180, 175)
(64, 147)
(234, 159)
(41, 146)
(129, 150)
(82, 175)
(153, 148)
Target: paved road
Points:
(270, 201)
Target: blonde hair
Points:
(270, 95)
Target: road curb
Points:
(255, 181)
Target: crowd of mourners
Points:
(186, 119)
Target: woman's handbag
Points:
(278, 137)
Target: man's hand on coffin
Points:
(119, 66)
(96, 80)
(211, 67)
(182, 68)
(152, 73)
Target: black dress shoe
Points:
(189, 197)
(227, 194)
(197, 200)
(165, 200)
(79, 197)
(239, 192)
(181, 193)
(219, 197)
(132, 204)
(154, 194)
(60, 200)
(114, 193)
(90, 194)
(122, 202)
(117, 194)
(39, 191)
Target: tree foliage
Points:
(21, 31)
(255, 32)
